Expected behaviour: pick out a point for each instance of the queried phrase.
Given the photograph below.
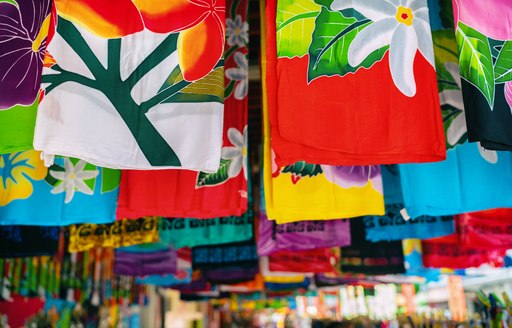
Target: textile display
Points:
(362, 256)
(70, 191)
(489, 230)
(304, 191)
(414, 261)
(118, 234)
(447, 252)
(314, 261)
(393, 226)
(484, 33)
(182, 276)
(25, 241)
(270, 286)
(195, 232)
(231, 274)
(210, 257)
(167, 107)
(280, 276)
(391, 184)
(302, 235)
(24, 37)
(21, 309)
(375, 53)
(145, 263)
(461, 183)
(220, 193)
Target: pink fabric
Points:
(492, 18)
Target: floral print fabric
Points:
(341, 71)
(68, 192)
(222, 193)
(166, 63)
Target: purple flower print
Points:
(23, 28)
(351, 176)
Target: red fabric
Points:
(489, 230)
(20, 309)
(447, 252)
(357, 119)
(173, 193)
(315, 261)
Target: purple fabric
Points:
(21, 62)
(193, 286)
(146, 263)
(304, 235)
(230, 275)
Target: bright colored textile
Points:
(219, 256)
(344, 86)
(489, 230)
(145, 263)
(121, 233)
(304, 191)
(305, 261)
(302, 235)
(484, 39)
(71, 191)
(393, 226)
(458, 185)
(182, 194)
(130, 86)
(194, 232)
(23, 36)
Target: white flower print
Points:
(458, 127)
(237, 31)
(236, 153)
(72, 178)
(239, 74)
(401, 24)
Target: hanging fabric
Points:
(305, 261)
(25, 241)
(223, 192)
(306, 191)
(484, 39)
(24, 37)
(121, 233)
(218, 256)
(128, 85)
(70, 191)
(489, 230)
(462, 182)
(136, 263)
(337, 70)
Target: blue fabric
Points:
(392, 226)
(391, 185)
(167, 280)
(464, 182)
(51, 201)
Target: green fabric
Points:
(17, 128)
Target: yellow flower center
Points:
(244, 151)
(404, 15)
(72, 176)
(43, 32)
(237, 31)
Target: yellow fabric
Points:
(122, 233)
(284, 279)
(310, 198)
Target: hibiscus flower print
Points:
(401, 24)
(24, 26)
(17, 172)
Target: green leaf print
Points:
(334, 32)
(303, 169)
(209, 88)
(503, 66)
(213, 179)
(475, 60)
(109, 179)
(295, 21)
(445, 50)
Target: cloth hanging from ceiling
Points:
(135, 263)
(195, 232)
(304, 261)
(24, 241)
(362, 256)
(70, 191)
(128, 85)
(305, 191)
(462, 182)
(489, 230)
(343, 83)
(24, 37)
(487, 83)
(304, 235)
(121, 233)
(225, 255)
(182, 194)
